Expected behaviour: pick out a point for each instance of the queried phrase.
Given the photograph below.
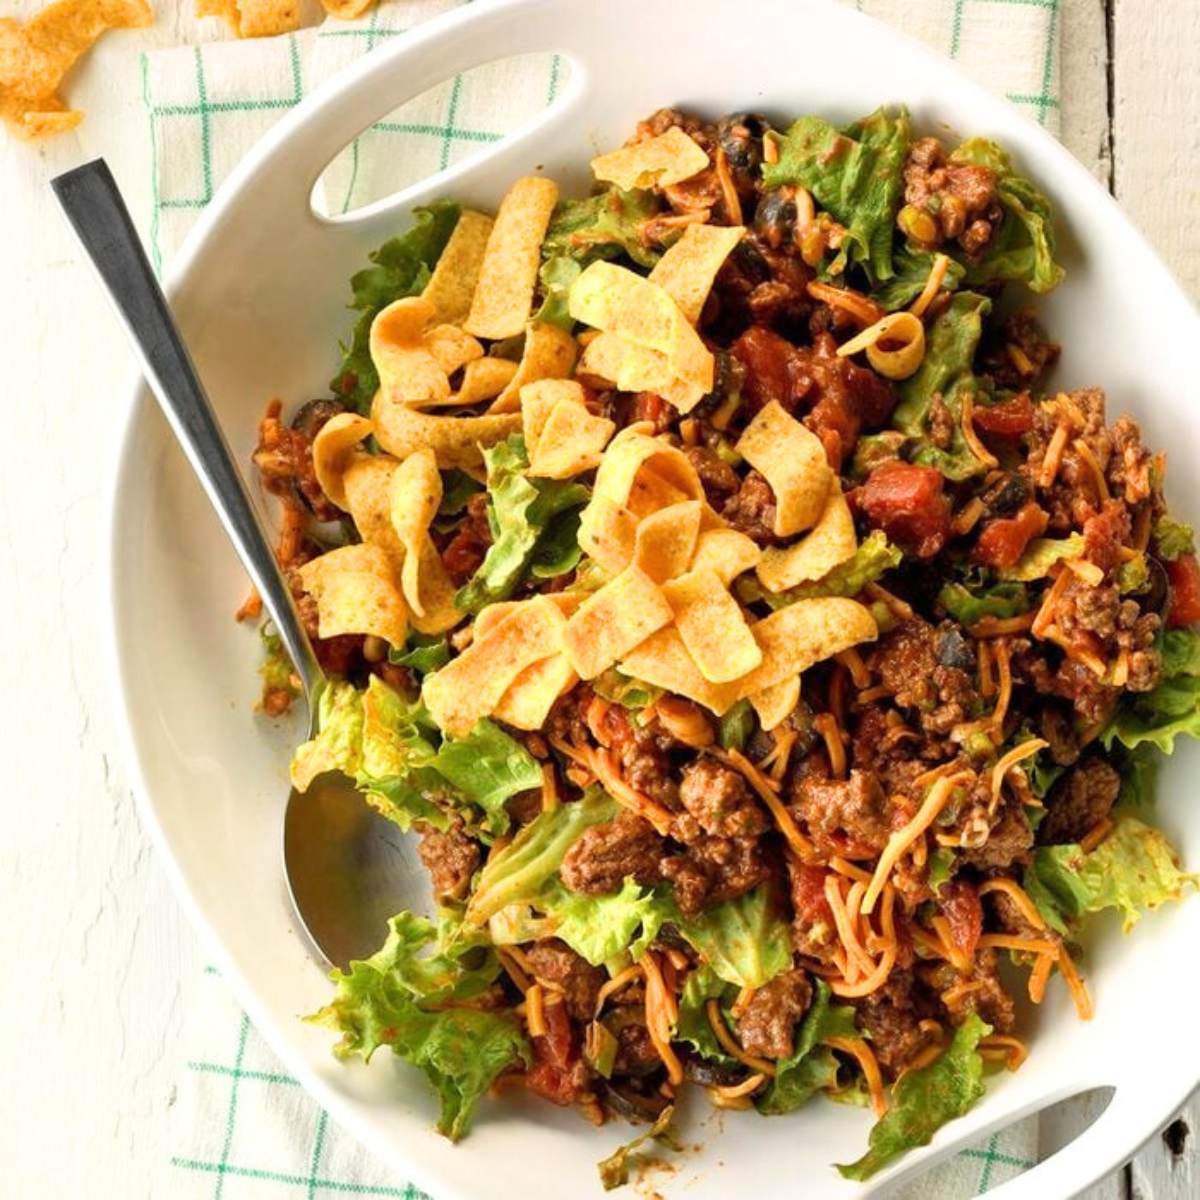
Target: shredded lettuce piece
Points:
(487, 767)
(745, 941)
(873, 450)
(520, 512)
(1172, 708)
(614, 1170)
(1041, 770)
(1139, 769)
(1022, 249)
(924, 1100)
(457, 488)
(968, 606)
(945, 370)
(1041, 554)
(1172, 539)
(1133, 870)
(857, 175)
(557, 551)
(383, 743)
(556, 275)
(423, 652)
(276, 670)
(875, 556)
(389, 747)
(702, 984)
(624, 690)
(812, 1066)
(941, 868)
(1134, 576)
(912, 269)
(400, 267)
(607, 225)
(389, 998)
(735, 726)
(519, 872)
(600, 1049)
(600, 927)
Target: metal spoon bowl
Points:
(346, 867)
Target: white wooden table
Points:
(97, 956)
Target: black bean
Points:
(311, 416)
(775, 217)
(1006, 495)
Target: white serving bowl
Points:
(259, 291)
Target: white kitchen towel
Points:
(241, 1128)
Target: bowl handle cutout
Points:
(1087, 1157)
(517, 150)
(298, 149)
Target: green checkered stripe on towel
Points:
(208, 105)
(241, 1127)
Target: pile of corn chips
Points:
(268, 18)
(36, 56)
(662, 610)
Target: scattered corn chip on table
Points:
(91, 1040)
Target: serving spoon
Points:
(343, 863)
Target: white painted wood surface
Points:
(98, 958)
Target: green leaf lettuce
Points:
(946, 370)
(390, 748)
(487, 767)
(856, 175)
(912, 268)
(875, 556)
(1133, 870)
(1041, 554)
(607, 225)
(389, 999)
(519, 873)
(967, 605)
(1022, 249)
(1172, 539)
(400, 267)
(745, 941)
(520, 512)
(924, 1100)
(1172, 708)
(812, 1066)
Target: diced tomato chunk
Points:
(1003, 540)
(1010, 418)
(908, 504)
(650, 406)
(808, 893)
(771, 364)
(1184, 574)
(558, 1072)
(964, 914)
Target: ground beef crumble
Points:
(1079, 801)
(766, 1025)
(710, 870)
(952, 201)
(751, 510)
(606, 855)
(844, 816)
(718, 801)
(892, 1016)
(554, 963)
(450, 857)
